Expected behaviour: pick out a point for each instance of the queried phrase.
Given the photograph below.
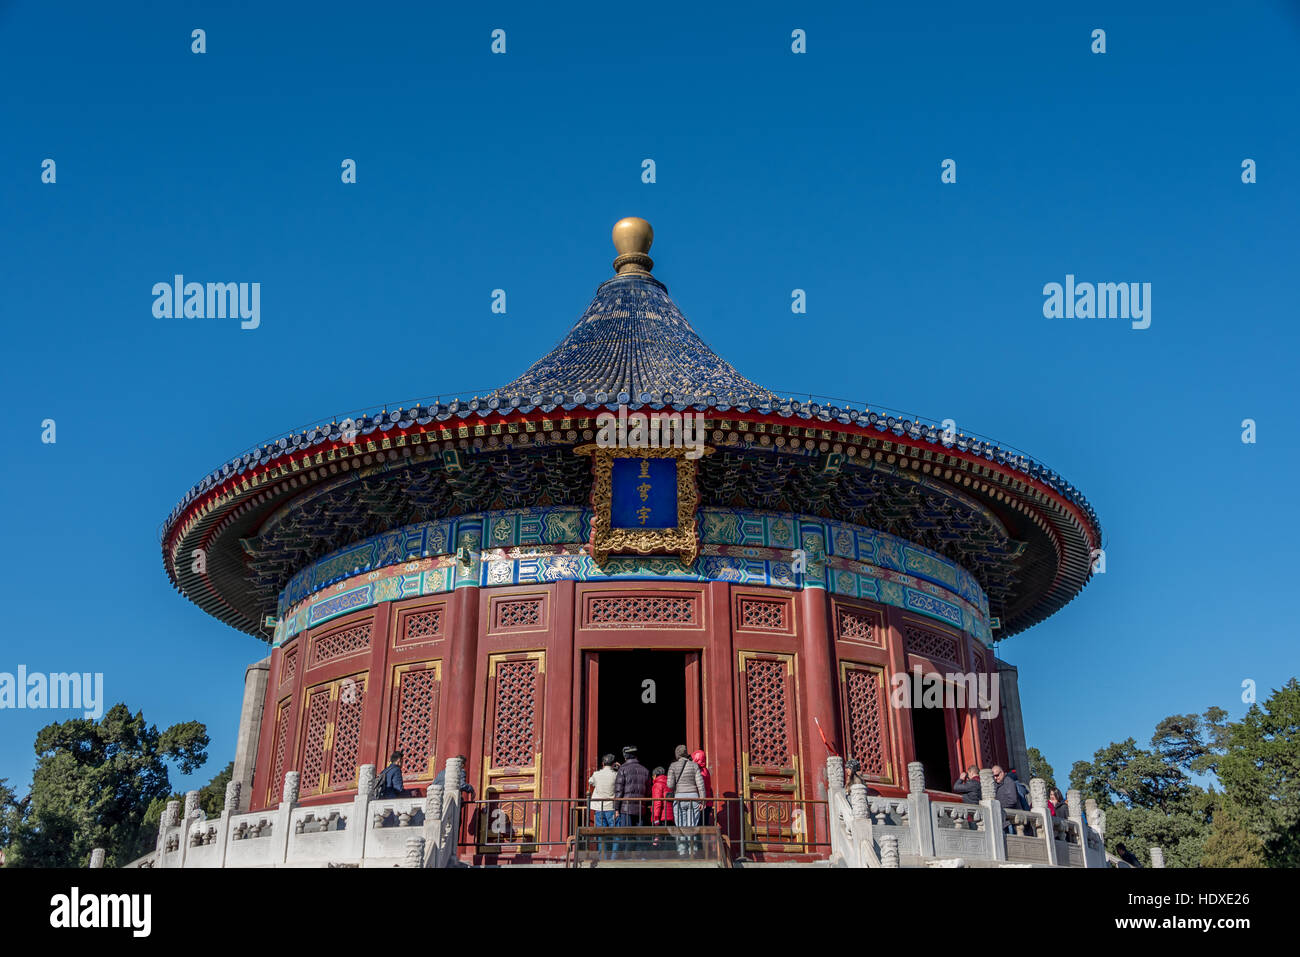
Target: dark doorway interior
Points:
(930, 734)
(627, 712)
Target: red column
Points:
(819, 698)
(456, 724)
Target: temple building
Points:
(629, 543)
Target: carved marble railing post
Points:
(451, 805)
(1038, 796)
(96, 858)
(918, 809)
(283, 821)
(231, 805)
(1038, 805)
(414, 852)
(988, 787)
(834, 772)
(859, 801)
(1157, 856)
(1074, 801)
(915, 777)
(193, 814)
(361, 810)
(434, 800)
(889, 851)
(170, 818)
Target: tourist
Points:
(440, 780)
(600, 789)
(968, 786)
(1005, 792)
(687, 787)
(1127, 856)
(1022, 791)
(632, 783)
(390, 783)
(1057, 805)
(701, 761)
(661, 811)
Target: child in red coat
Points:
(661, 811)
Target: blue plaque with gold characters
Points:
(644, 502)
(643, 493)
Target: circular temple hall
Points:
(628, 544)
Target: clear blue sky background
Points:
(775, 171)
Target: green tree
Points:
(1260, 773)
(1147, 802)
(11, 814)
(212, 796)
(1039, 768)
(93, 784)
(1232, 845)
(1193, 743)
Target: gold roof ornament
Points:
(632, 238)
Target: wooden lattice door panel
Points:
(349, 709)
(413, 724)
(770, 749)
(864, 701)
(275, 786)
(331, 735)
(512, 764)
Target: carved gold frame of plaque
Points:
(606, 541)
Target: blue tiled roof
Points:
(634, 341)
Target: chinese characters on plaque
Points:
(643, 493)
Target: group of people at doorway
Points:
(628, 794)
(1008, 790)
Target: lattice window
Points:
(862, 695)
(417, 721)
(340, 644)
(986, 741)
(930, 644)
(315, 733)
(769, 713)
(347, 732)
(290, 665)
(854, 626)
(630, 611)
(520, 613)
(276, 784)
(513, 745)
(763, 615)
(423, 625)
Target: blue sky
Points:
(775, 171)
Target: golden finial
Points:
(632, 238)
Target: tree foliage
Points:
(93, 784)
(1039, 768)
(1232, 845)
(1151, 798)
(1260, 773)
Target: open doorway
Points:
(641, 698)
(930, 737)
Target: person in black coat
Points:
(633, 785)
(968, 785)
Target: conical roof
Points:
(632, 344)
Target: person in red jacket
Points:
(699, 757)
(661, 811)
